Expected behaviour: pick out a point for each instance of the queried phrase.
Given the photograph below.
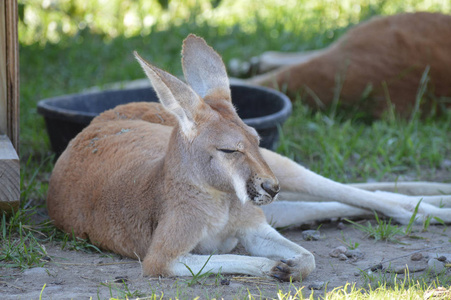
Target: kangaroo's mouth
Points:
(256, 190)
(260, 196)
(263, 199)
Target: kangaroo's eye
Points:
(227, 150)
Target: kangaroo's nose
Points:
(270, 188)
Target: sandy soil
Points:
(80, 275)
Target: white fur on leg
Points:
(439, 201)
(265, 244)
(225, 263)
(407, 188)
(285, 213)
(264, 240)
(295, 178)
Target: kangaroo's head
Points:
(217, 150)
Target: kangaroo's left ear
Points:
(175, 96)
(204, 70)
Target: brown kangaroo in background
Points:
(376, 63)
(173, 183)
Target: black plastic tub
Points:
(65, 116)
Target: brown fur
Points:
(152, 181)
(125, 203)
(392, 51)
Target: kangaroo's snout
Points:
(271, 188)
(262, 190)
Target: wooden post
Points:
(9, 176)
(9, 107)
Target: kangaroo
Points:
(171, 183)
(172, 196)
(375, 64)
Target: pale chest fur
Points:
(219, 234)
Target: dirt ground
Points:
(80, 275)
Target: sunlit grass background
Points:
(69, 45)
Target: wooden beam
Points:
(3, 78)
(9, 107)
(9, 176)
(9, 72)
(12, 72)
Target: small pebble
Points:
(435, 266)
(342, 256)
(310, 235)
(355, 253)
(416, 256)
(442, 258)
(225, 281)
(400, 269)
(36, 271)
(337, 251)
(341, 226)
(376, 267)
(316, 285)
(446, 163)
(120, 279)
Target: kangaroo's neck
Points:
(182, 171)
(179, 164)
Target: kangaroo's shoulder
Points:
(151, 112)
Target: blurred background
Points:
(67, 46)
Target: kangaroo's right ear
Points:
(174, 95)
(204, 70)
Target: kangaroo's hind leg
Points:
(304, 184)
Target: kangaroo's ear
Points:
(176, 96)
(204, 70)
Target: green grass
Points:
(20, 244)
(390, 280)
(22, 240)
(380, 286)
(348, 242)
(200, 276)
(72, 242)
(399, 291)
(382, 231)
(70, 46)
(122, 291)
(349, 150)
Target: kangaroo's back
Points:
(95, 181)
(120, 138)
(383, 58)
(151, 112)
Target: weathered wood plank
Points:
(12, 72)
(9, 107)
(3, 81)
(9, 175)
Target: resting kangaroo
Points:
(175, 182)
(159, 193)
(377, 62)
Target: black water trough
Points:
(65, 116)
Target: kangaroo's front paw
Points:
(295, 268)
(284, 270)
